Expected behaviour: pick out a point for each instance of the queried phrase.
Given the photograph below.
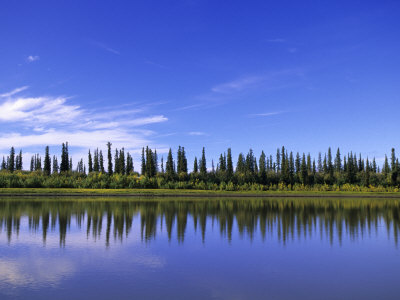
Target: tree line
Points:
(285, 169)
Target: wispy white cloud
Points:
(149, 62)
(77, 138)
(105, 47)
(147, 120)
(271, 80)
(197, 133)
(13, 92)
(38, 110)
(48, 120)
(188, 107)
(32, 58)
(237, 85)
(267, 114)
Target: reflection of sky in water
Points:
(239, 256)
(26, 261)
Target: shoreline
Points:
(148, 193)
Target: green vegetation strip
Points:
(47, 192)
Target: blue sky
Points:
(240, 74)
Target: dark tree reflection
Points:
(283, 219)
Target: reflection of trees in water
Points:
(281, 218)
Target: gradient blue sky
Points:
(240, 74)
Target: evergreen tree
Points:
(101, 162)
(182, 161)
(47, 162)
(297, 163)
(330, 166)
(314, 168)
(55, 164)
(395, 171)
(222, 163)
(241, 164)
(360, 164)
(81, 167)
(367, 174)
(271, 163)
(64, 167)
(320, 168)
(374, 166)
(351, 168)
(38, 163)
(122, 166)
(309, 166)
(179, 159)
(262, 168)
(155, 159)
(96, 163)
(150, 163)
(11, 161)
(325, 165)
(338, 161)
(195, 166)
(162, 164)
(303, 171)
(143, 164)
(129, 164)
(117, 166)
(18, 161)
(291, 168)
(67, 159)
(90, 162)
(203, 164)
(109, 158)
(278, 160)
(284, 167)
(229, 165)
(249, 163)
(169, 167)
(32, 167)
(386, 168)
(3, 164)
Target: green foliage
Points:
(301, 173)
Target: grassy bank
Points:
(184, 193)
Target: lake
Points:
(199, 248)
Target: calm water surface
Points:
(199, 249)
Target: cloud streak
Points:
(197, 133)
(267, 114)
(105, 47)
(271, 80)
(32, 58)
(237, 85)
(47, 120)
(13, 92)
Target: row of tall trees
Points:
(286, 167)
